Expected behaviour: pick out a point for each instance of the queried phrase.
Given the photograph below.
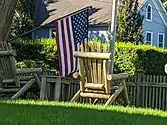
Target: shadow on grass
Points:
(15, 114)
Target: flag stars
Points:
(79, 24)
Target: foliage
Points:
(165, 5)
(164, 2)
(129, 22)
(23, 19)
(129, 58)
(26, 63)
(31, 51)
(64, 113)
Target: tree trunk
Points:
(7, 8)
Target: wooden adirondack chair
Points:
(95, 78)
(12, 77)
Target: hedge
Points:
(128, 57)
(31, 51)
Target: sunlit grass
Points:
(26, 112)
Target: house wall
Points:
(98, 32)
(156, 25)
(41, 33)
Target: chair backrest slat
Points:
(2, 66)
(4, 46)
(9, 70)
(94, 65)
(99, 66)
(7, 63)
(95, 69)
(85, 68)
(88, 66)
(105, 71)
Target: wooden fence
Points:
(148, 91)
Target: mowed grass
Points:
(26, 112)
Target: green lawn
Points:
(23, 112)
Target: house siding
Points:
(156, 25)
(41, 33)
(98, 32)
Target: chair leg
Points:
(90, 100)
(69, 90)
(95, 101)
(57, 88)
(24, 89)
(114, 95)
(76, 96)
(43, 89)
(125, 93)
(37, 80)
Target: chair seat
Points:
(9, 90)
(26, 78)
(94, 86)
(6, 81)
(94, 95)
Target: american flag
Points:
(71, 32)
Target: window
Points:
(161, 40)
(52, 32)
(149, 13)
(149, 37)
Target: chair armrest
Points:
(117, 76)
(8, 53)
(28, 70)
(75, 75)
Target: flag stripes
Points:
(66, 42)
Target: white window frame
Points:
(151, 37)
(50, 32)
(163, 34)
(147, 12)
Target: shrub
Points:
(30, 51)
(128, 57)
(26, 63)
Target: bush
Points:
(30, 51)
(128, 57)
(26, 63)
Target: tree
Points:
(164, 3)
(23, 18)
(129, 22)
(7, 8)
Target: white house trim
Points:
(156, 7)
(151, 37)
(142, 5)
(163, 34)
(162, 6)
(149, 5)
(50, 32)
(160, 13)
